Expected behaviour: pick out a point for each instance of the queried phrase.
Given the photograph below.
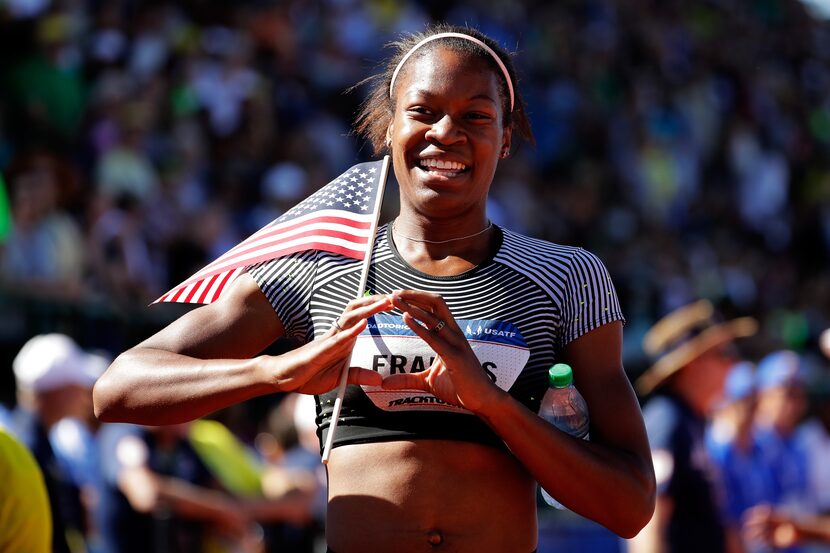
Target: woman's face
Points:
(447, 132)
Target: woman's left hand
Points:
(456, 375)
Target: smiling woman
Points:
(439, 445)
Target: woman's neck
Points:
(443, 248)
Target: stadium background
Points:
(686, 143)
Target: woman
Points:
(469, 314)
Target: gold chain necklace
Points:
(423, 241)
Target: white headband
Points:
(455, 35)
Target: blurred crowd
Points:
(119, 488)
(686, 143)
(770, 458)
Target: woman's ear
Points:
(389, 137)
(507, 139)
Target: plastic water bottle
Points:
(565, 408)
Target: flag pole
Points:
(364, 276)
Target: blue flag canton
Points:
(354, 191)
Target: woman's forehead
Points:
(444, 69)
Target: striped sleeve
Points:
(288, 282)
(591, 299)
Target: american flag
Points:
(341, 217)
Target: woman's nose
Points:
(445, 131)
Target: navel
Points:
(435, 537)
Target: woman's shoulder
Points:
(528, 250)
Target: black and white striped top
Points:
(540, 295)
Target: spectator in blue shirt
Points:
(782, 403)
(744, 480)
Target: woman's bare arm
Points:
(610, 478)
(204, 361)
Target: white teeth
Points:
(441, 164)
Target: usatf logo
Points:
(487, 331)
(387, 345)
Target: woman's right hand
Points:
(315, 367)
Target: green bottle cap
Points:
(560, 375)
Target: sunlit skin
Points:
(417, 495)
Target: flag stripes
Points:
(338, 218)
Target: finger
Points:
(364, 377)
(428, 313)
(341, 341)
(420, 309)
(428, 320)
(405, 382)
(333, 329)
(422, 328)
(411, 307)
(435, 333)
(365, 301)
(357, 309)
(354, 314)
(418, 296)
(428, 301)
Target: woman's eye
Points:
(479, 116)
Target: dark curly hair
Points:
(377, 111)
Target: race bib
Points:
(387, 345)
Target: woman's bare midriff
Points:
(429, 495)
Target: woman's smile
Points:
(441, 168)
